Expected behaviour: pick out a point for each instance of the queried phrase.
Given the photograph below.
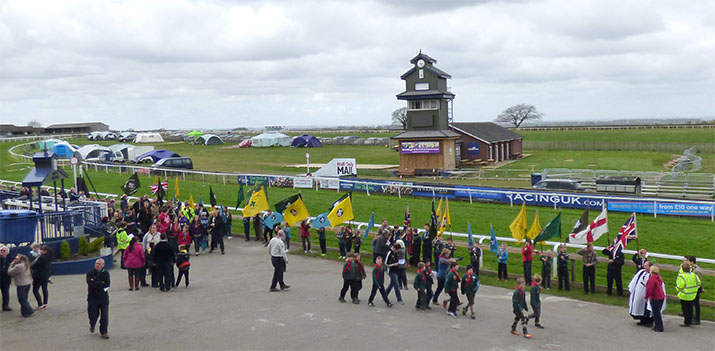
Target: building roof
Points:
(487, 132)
(76, 125)
(424, 57)
(424, 94)
(423, 134)
(436, 71)
(5, 128)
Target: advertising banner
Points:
(473, 149)
(419, 147)
(303, 182)
(664, 208)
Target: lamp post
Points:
(307, 163)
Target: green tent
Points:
(195, 133)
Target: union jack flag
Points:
(155, 187)
(625, 235)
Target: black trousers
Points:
(374, 291)
(341, 246)
(184, 273)
(563, 274)
(502, 273)
(546, 278)
(524, 321)
(475, 265)
(696, 305)
(279, 267)
(527, 272)
(5, 289)
(657, 317)
(589, 277)
(247, 230)
(217, 241)
(304, 240)
(165, 276)
(687, 307)
(347, 284)
(536, 313)
(99, 309)
(38, 284)
(614, 274)
(422, 300)
(323, 247)
(453, 301)
(440, 287)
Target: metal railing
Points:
(41, 137)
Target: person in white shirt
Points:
(277, 250)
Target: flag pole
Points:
(635, 224)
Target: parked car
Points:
(559, 184)
(174, 162)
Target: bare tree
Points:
(34, 124)
(517, 114)
(399, 117)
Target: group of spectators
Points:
(27, 272)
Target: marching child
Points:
(470, 286)
(451, 284)
(546, 261)
(420, 284)
(535, 300)
(348, 277)
(502, 258)
(378, 283)
(357, 241)
(359, 271)
(183, 264)
(518, 304)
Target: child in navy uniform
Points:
(546, 262)
(183, 264)
(470, 286)
(348, 277)
(518, 304)
(378, 283)
(420, 284)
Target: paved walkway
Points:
(228, 306)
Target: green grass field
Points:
(663, 135)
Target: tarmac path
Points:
(228, 306)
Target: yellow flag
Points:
(438, 211)
(518, 226)
(176, 188)
(295, 212)
(342, 211)
(191, 201)
(257, 203)
(535, 229)
(446, 220)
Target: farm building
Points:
(77, 128)
(487, 141)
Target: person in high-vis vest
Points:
(687, 284)
(122, 241)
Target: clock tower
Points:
(427, 144)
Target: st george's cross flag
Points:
(593, 231)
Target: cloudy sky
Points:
(226, 64)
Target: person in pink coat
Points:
(134, 260)
(185, 238)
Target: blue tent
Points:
(306, 140)
(157, 155)
(63, 150)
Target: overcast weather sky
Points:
(225, 64)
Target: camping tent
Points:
(195, 133)
(306, 140)
(63, 150)
(270, 139)
(157, 155)
(93, 152)
(149, 138)
(48, 144)
(209, 139)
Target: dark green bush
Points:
(65, 250)
(96, 244)
(83, 246)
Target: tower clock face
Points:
(420, 63)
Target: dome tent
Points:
(270, 139)
(306, 140)
(63, 150)
(209, 139)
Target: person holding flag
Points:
(527, 258)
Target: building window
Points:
(422, 74)
(421, 86)
(417, 105)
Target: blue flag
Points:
(273, 219)
(471, 237)
(321, 221)
(370, 224)
(493, 244)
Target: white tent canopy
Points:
(92, 151)
(270, 139)
(149, 138)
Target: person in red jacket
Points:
(134, 260)
(655, 292)
(185, 238)
(527, 254)
(305, 235)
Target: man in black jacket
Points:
(218, 229)
(5, 261)
(615, 262)
(164, 259)
(97, 298)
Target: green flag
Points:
(212, 197)
(240, 196)
(552, 230)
